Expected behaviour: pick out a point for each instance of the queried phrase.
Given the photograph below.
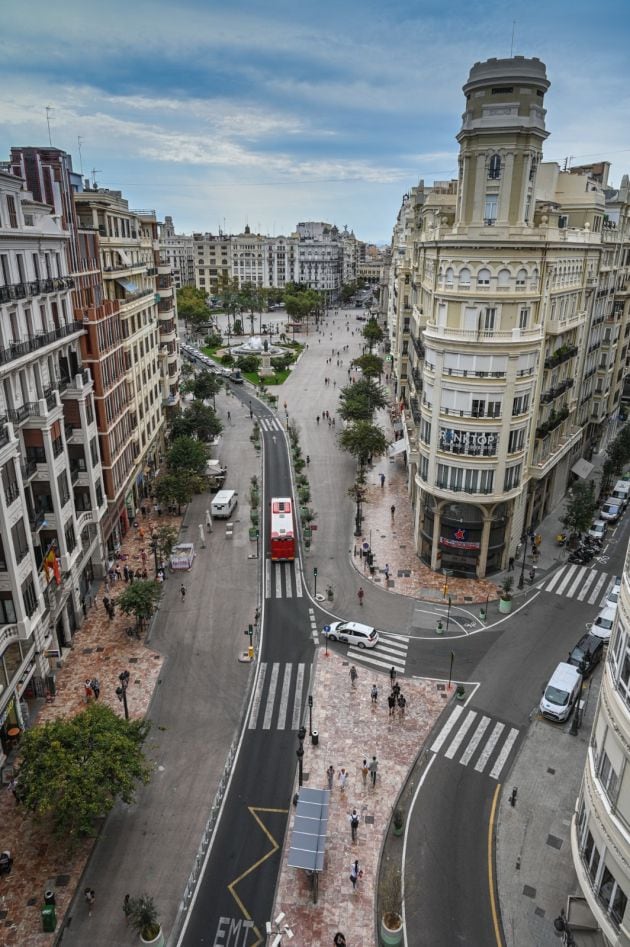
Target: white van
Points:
(621, 491)
(561, 692)
(224, 503)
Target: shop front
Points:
(463, 539)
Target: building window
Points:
(607, 777)
(523, 318)
(483, 277)
(512, 477)
(490, 209)
(7, 609)
(20, 542)
(516, 440)
(70, 537)
(489, 319)
(521, 276)
(520, 405)
(423, 469)
(464, 277)
(612, 897)
(494, 168)
(13, 221)
(29, 596)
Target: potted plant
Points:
(143, 917)
(399, 821)
(505, 599)
(390, 899)
(460, 692)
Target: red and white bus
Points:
(282, 535)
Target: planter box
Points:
(505, 606)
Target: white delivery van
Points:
(561, 692)
(621, 492)
(223, 504)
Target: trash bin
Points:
(49, 896)
(49, 918)
(315, 737)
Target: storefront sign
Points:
(453, 438)
(459, 540)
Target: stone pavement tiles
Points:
(101, 649)
(350, 729)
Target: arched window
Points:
(521, 276)
(464, 276)
(503, 277)
(535, 276)
(494, 168)
(449, 276)
(483, 277)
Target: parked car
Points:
(587, 654)
(352, 633)
(561, 692)
(613, 595)
(602, 626)
(611, 510)
(598, 530)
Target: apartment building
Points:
(178, 250)
(600, 829)
(509, 317)
(213, 260)
(52, 497)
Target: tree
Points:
(229, 293)
(253, 298)
(363, 440)
(186, 453)
(192, 306)
(74, 769)
(358, 402)
(370, 365)
(143, 917)
(139, 599)
(178, 487)
(197, 420)
(372, 332)
(347, 292)
(206, 385)
(580, 507)
(165, 537)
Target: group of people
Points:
(92, 689)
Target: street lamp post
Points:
(300, 753)
(121, 691)
(310, 715)
(448, 613)
(521, 578)
(154, 546)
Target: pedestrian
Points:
(317, 418)
(229, 416)
(88, 691)
(353, 676)
(374, 693)
(360, 595)
(330, 773)
(364, 772)
(106, 602)
(387, 571)
(90, 898)
(308, 459)
(391, 703)
(145, 574)
(342, 779)
(208, 521)
(118, 574)
(382, 476)
(402, 703)
(96, 687)
(126, 573)
(392, 510)
(182, 591)
(339, 940)
(392, 675)
(373, 767)
(126, 908)
(354, 824)
(511, 564)
(532, 575)
(396, 690)
(355, 874)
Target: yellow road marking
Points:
(493, 903)
(254, 810)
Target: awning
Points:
(582, 468)
(397, 447)
(308, 839)
(127, 285)
(124, 256)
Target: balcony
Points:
(417, 379)
(552, 393)
(4, 434)
(38, 287)
(554, 420)
(563, 354)
(28, 468)
(418, 346)
(434, 331)
(37, 519)
(18, 349)
(415, 410)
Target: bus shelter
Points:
(308, 839)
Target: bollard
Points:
(482, 614)
(513, 797)
(439, 628)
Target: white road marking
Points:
(592, 575)
(286, 568)
(566, 580)
(278, 578)
(553, 580)
(475, 741)
(503, 755)
(461, 733)
(297, 700)
(271, 696)
(298, 582)
(489, 747)
(593, 597)
(583, 572)
(284, 697)
(366, 657)
(446, 729)
(267, 578)
(253, 717)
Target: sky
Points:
(269, 113)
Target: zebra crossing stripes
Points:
(270, 424)
(280, 691)
(391, 651)
(579, 582)
(280, 579)
(455, 738)
(314, 629)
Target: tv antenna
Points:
(95, 171)
(79, 141)
(512, 43)
(49, 109)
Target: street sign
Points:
(326, 628)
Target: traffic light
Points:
(315, 571)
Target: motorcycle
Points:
(562, 539)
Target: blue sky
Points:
(270, 113)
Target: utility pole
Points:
(49, 109)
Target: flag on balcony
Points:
(51, 563)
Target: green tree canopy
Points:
(347, 292)
(370, 365)
(372, 332)
(206, 385)
(186, 453)
(74, 769)
(363, 440)
(192, 305)
(580, 508)
(178, 487)
(197, 420)
(139, 599)
(254, 300)
(166, 537)
(358, 402)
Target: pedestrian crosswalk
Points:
(579, 582)
(278, 698)
(282, 580)
(486, 737)
(391, 651)
(270, 424)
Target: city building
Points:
(178, 250)
(212, 259)
(508, 313)
(600, 829)
(52, 498)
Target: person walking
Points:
(382, 476)
(386, 570)
(126, 907)
(182, 591)
(354, 824)
(355, 874)
(342, 779)
(96, 687)
(391, 703)
(353, 676)
(364, 772)
(373, 768)
(402, 703)
(392, 510)
(229, 416)
(90, 897)
(360, 595)
(511, 564)
(330, 774)
(374, 694)
(392, 675)
(339, 940)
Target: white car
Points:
(598, 530)
(603, 624)
(613, 596)
(352, 632)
